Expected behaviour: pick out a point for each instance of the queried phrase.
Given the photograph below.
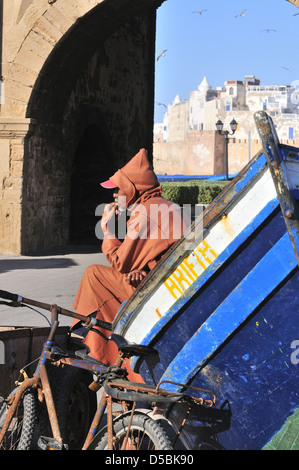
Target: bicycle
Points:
(129, 429)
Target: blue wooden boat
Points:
(222, 309)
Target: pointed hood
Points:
(137, 179)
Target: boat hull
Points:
(222, 309)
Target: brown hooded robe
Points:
(155, 224)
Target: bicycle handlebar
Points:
(86, 319)
(9, 296)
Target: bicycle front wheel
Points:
(144, 434)
(19, 434)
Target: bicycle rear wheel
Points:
(74, 402)
(19, 434)
(144, 434)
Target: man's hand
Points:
(135, 277)
(109, 213)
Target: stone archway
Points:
(61, 64)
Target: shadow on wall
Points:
(90, 167)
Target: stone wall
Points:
(201, 154)
(80, 77)
(13, 135)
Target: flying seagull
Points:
(241, 14)
(163, 53)
(268, 30)
(161, 104)
(199, 12)
(286, 68)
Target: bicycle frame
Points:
(40, 377)
(132, 393)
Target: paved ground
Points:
(51, 277)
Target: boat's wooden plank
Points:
(278, 263)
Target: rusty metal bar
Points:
(96, 421)
(156, 391)
(200, 401)
(181, 426)
(73, 362)
(124, 444)
(50, 403)
(63, 311)
(109, 423)
(137, 387)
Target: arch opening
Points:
(91, 165)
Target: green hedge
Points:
(192, 192)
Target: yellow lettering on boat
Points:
(188, 267)
(172, 287)
(201, 253)
(187, 272)
(180, 279)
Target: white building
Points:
(238, 100)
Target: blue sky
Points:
(221, 46)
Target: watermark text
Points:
(2, 353)
(295, 354)
(159, 221)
